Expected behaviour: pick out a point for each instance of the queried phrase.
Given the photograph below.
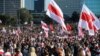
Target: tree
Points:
(12, 21)
(3, 18)
(75, 16)
(24, 15)
(8, 20)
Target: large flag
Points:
(88, 20)
(55, 13)
(45, 28)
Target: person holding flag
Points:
(45, 28)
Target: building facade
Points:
(39, 6)
(46, 2)
(94, 5)
(1, 6)
(9, 7)
(29, 4)
(22, 5)
(33, 5)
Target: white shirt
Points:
(7, 54)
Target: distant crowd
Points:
(31, 41)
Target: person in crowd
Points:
(32, 52)
(81, 52)
(97, 49)
(7, 53)
(1, 51)
(33, 43)
(87, 50)
(18, 53)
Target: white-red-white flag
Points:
(51, 27)
(55, 13)
(45, 28)
(88, 20)
(80, 33)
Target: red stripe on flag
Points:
(88, 18)
(93, 19)
(45, 26)
(54, 10)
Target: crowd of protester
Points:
(31, 41)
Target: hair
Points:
(80, 53)
(60, 52)
(68, 52)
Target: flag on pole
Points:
(69, 27)
(55, 13)
(45, 28)
(80, 33)
(88, 20)
(51, 27)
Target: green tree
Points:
(3, 18)
(24, 15)
(12, 21)
(8, 20)
(75, 16)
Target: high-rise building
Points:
(94, 5)
(29, 4)
(46, 2)
(22, 5)
(38, 5)
(9, 7)
(1, 6)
